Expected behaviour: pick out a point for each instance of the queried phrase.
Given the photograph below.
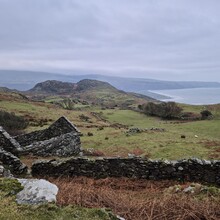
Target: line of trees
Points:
(166, 110)
(170, 110)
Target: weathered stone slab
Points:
(12, 162)
(36, 191)
(8, 143)
(63, 146)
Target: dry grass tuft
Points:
(136, 199)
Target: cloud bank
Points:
(162, 39)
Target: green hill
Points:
(92, 91)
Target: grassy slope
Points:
(166, 144)
(111, 97)
(92, 91)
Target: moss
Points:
(212, 190)
(10, 186)
(10, 210)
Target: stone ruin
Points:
(61, 139)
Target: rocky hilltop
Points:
(93, 91)
(57, 87)
(53, 87)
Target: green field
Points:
(167, 145)
(202, 138)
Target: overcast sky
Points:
(161, 39)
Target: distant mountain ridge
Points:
(24, 80)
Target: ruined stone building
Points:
(61, 139)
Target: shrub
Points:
(12, 123)
(90, 134)
(166, 110)
(84, 118)
(68, 104)
(100, 128)
(206, 114)
(190, 116)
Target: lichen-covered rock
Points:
(12, 162)
(5, 172)
(8, 143)
(36, 192)
(1, 171)
(63, 146)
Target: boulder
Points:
(36, 191)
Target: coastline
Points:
(194, 96)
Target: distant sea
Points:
(197, 96)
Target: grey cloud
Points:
(165, 39)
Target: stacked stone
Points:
(61, 139)
(63, 146)
(8, 143)
(9, 147)
(12, 162)
(182, 170)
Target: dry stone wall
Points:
(182, 170)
